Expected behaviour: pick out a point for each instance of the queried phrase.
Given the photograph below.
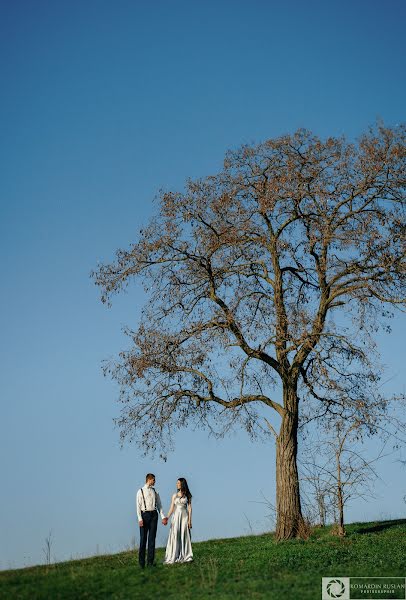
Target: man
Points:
(148, 502)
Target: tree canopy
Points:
(278, 270)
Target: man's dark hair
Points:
(149, 476)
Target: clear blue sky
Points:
(103, 103)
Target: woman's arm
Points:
(172, 505)
(189, 508)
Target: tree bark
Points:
(288, 509)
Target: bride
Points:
(179, 546)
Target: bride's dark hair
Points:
(184, 488)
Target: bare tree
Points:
(254, 276)
(316, 487)
(338, 470)
(47, 548)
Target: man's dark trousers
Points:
(150, 520)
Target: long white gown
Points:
(179, 546)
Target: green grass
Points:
(245, 567)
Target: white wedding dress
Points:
(179, 546)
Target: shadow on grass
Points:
(379, 526)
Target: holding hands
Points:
(165, 521)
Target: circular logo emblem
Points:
(335, 588)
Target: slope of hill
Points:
(245, 567)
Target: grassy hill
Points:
(245, 567)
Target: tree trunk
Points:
(288, 509)
(322, 508)
(340, 499)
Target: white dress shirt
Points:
(152, 500)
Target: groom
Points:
(148, 502)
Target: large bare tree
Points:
(273, 274)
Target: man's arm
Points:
(138, 506)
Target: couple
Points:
(179, 546)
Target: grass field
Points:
(245, 567)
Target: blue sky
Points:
(103, 104)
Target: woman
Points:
(179, 546)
